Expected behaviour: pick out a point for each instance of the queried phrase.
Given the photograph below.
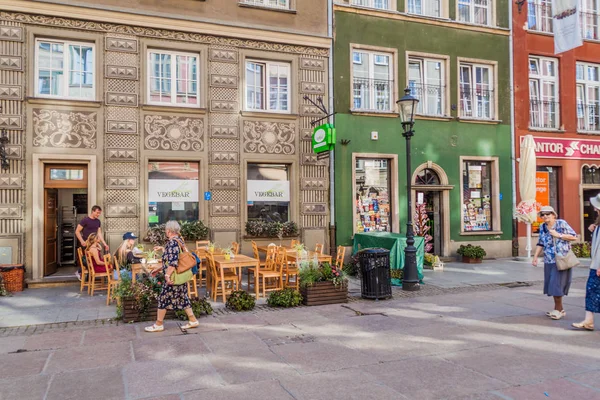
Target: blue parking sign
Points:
(207, 196)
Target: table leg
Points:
(223, 285)
(133, 274)
(256, 279)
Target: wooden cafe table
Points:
(140, 268)
(237, 263)
(293, 256)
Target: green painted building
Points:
(454, 56)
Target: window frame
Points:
(544, 21)
(445, 62)
(66, 58)
(173, 54)
(444, 12)
(474, 62)
(372, 53)
(267, 64)
(490, 13)
(372, 4)
(541, 78)
(494, 196)
(587, 84)
(264, 4)
(591, 14)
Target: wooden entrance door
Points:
(50, 231)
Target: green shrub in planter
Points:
(470, 251)
(582, 250)
(193, 230)
(284, 298)
(240, 301)
(199, 307)
(271, 229)
(397, 273)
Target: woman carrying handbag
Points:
(174, 295)
(554, 241)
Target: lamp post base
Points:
(410, 281)
(411, 286)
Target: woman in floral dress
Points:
(172, 297)
(555, 237)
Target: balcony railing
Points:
(543, 114)
(279, 4)
(372, 94)
(539, 17)
(589, 25)
(431, 98)
(588, 117)
(477, 103)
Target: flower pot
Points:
(227, 256)
(131, 314)
(321, 293)
(470, 260)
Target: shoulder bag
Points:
(186, 259)
(567, 261)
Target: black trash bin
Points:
(375, 278)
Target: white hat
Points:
(596, 201)
(548, 209)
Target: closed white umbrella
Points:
(527, 207)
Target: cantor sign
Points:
(582, 149)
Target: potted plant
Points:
(471, 254)
(193, 230)
(259, 228)
(227, 253)
(137, 301)
(211, 247)
(322, 284)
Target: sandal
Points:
(549, 313)
(583, 325)
(155, 328)
(556, 315)
(190, 325)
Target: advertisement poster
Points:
(542, 195)
(172, 190)
(474, 176)
(565, 18)
(268, 190)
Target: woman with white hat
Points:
(555, 236)
(592, 289)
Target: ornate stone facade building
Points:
(114, 102)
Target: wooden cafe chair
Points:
(274, 273)
(339, 258)
(235, 248)
(319, 248)
(268, 263)
(94, 284)
(230, 279)
(85, 273)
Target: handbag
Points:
(186, 259)
(181, 278)
(567, 261)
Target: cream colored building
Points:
(125, 107)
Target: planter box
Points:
(130, 314)
(324, 293)
(471, 260)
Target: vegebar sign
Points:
(268, 190)
(170, 190)
(577, 149)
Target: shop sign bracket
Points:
(319, 104)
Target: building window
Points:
(588, 97)
(476, 91)
(268, 192)
(543, 93)
(268, 86)
(430, 8)
(65, 70)
(589, 18)
(380, 4)
(539, 15)
(477, 196)
(475, 12)
(173, 189)
(284, 4)
(372, 189)
(172, 78)
(426, 79)
(546, 190)
(373, 81)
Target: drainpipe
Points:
(515, 238)
(332, 242)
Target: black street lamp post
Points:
(410, 280)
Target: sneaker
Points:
(78, 275)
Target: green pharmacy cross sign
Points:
(323, 138)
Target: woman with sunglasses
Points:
(592, 289)
(555, 236)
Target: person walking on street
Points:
(555, 236)
(172, 297)
(87, 226)
(592, 289)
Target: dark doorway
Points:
(589, 214)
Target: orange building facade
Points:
(557, 101)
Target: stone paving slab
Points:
(101, 383)
(90, 356)
(266, 390)
(23, 364)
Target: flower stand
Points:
(321, 293)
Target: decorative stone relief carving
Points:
(121, 99)
(121, 155)
(64, 129)
(306, 134)
(224, 209)
(14, 63)
(117, 72)
(314, 208)
(223, 106)
(11, 122)
(312, 88)
(11, 211)
(12, 33)
(224, 183)
(14, 151)
(121, 44)
(173, 133)
(221, 157)
(310, 111)
(311, 63)
(314, 184)
(226, 81)
(221, 55)
(122, 127)
(11, 92)
(309, 159)
(269, 137)
(224, 131)
(121, 210)
(11, 182)
(121, 182)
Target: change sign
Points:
(323, 138)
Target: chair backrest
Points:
(339, 259)
(212, 269)
(117, 268)
(255, 250)
(202, 244)
(319, 248)
(280, 259)
(294, 242)
(80, 257)
(271, 255)
(90, 263)
(108, 265)
(235, 248)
